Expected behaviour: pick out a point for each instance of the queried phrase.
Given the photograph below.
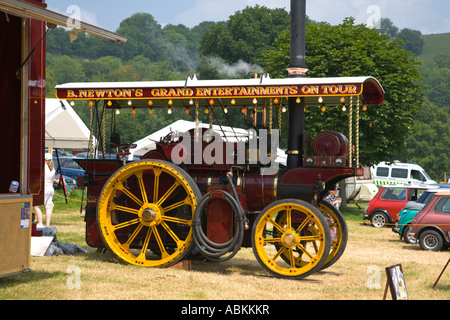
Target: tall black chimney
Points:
(297, 69)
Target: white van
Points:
(408, 173)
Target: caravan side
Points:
(406, 173)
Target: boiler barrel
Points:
(261, 190)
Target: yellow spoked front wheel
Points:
(145, 213)
(338, 232)
(291, 239)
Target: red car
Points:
(382, 210)
(431, 226)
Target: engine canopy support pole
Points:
(297, 69)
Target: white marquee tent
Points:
(63, 126)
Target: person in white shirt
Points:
(49, 191)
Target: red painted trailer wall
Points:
(22, 134)
(10, 99)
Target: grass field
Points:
(358, 275)
(434, 45)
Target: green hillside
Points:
(428, 144)
(435, 44)
(435, 69)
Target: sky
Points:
(427, 16)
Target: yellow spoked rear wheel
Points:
(338, 232)
(291, 239)
(145, 213)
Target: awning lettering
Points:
(210, 92)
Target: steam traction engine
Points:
(153, 212)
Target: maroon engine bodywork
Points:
(255, 191)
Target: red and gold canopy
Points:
(328, 91)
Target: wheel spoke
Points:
(303, 249)
(157, 173)
(310, 238)
(303, 224)
(124, 209)
(125, 224)
(172, 234)
(278, 253)
(288, 218)
(316, 248)
(276, 225)
(292, 258)
(142, 186)
(177, 205)
(129, 194)
(145, 245)
(271, 240)
(133, 236)
(164, 253)
(177, 220)
(168, 193)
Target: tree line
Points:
(412, 125)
